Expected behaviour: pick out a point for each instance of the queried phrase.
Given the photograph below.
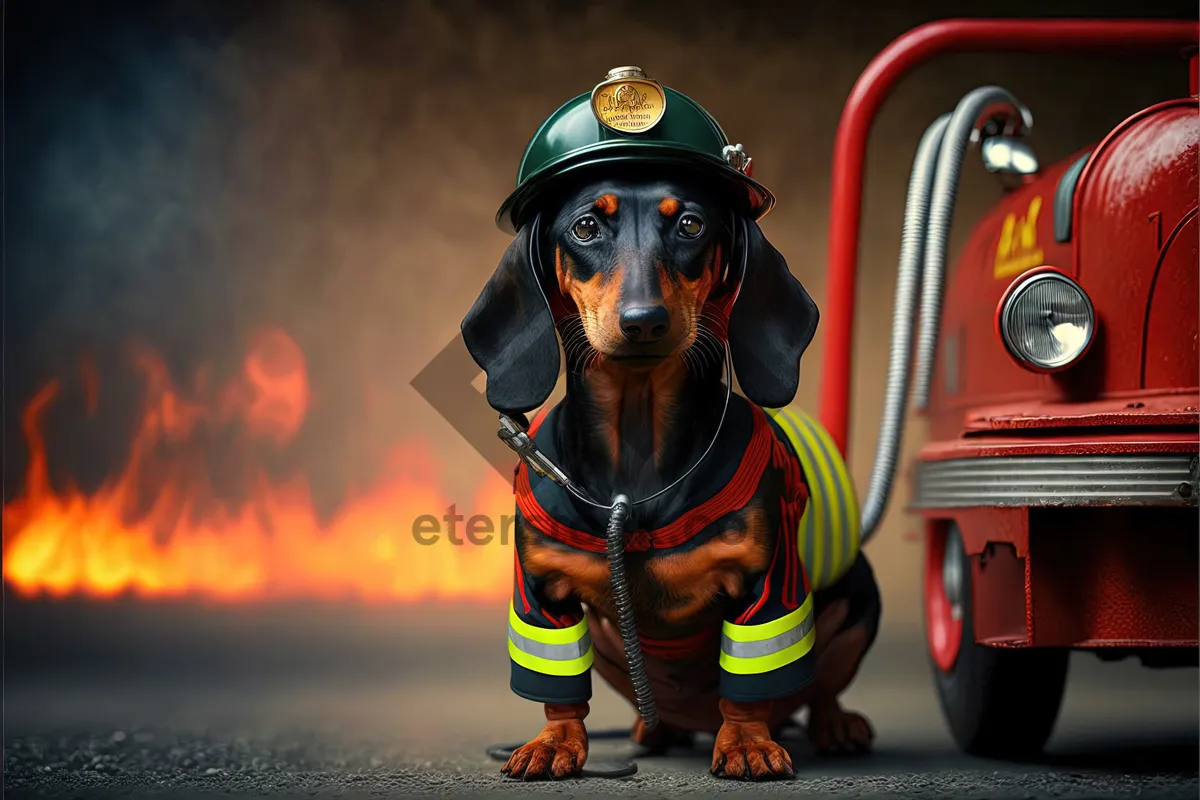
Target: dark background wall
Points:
(184, 172)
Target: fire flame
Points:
(160, 529)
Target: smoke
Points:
(334, 168)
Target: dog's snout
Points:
(645, 324)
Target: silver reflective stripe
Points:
(551, 652)
(766, 647)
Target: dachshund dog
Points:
(647, 283)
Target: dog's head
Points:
(638, 262)
(636, 272)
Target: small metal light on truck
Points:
(1007, 155)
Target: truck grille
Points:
(1076, 480)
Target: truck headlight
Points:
(1046, 320)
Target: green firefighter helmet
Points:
(630, 119)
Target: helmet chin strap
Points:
(738, 252)
(621, 505)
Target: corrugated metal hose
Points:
(904, 314)
(972, 112)
(615, 540)
(924, 239)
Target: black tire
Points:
(999, 703)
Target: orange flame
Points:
(158, 529)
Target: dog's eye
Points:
(690, 226)
(585, 229)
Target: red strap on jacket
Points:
(534, 424)
(735, 495)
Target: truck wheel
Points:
(999, 703)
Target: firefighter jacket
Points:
(767, 636)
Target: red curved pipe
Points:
(850, 147)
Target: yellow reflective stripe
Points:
(743, 638)
(829, 496)
(546, 635)
(839, 463)
(806, 539)
(760, 664)
(549, 638)
(787, 419)
(829, 533)
(546, 666)
(765, 630)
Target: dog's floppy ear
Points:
(510, 333)
(771, 324)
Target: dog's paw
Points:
(746, 752)
(559, 751)
(835, 731)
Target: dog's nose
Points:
(645, 324)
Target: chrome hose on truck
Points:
(976, 109)
(924, 238)
(904, 318)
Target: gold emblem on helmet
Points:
(626, 101)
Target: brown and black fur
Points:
(640, 276)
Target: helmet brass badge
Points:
(628, 102)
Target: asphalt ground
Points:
(135, 700)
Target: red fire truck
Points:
(1057, 367)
